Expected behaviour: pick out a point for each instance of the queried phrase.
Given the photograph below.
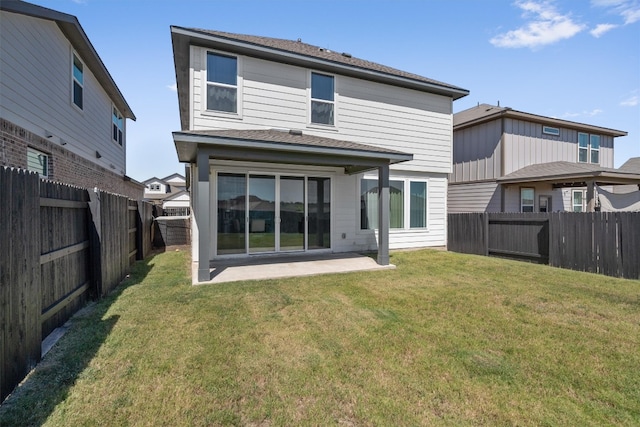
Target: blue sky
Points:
(574, 60)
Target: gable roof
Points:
(485, 112)
(174, 175)
(568, 172)
(293, 53)
(71, 28)
(632, 165)
(154, 179)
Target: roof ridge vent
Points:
(322, 49)
(296, 132)
(346, 55)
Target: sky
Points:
(572, 60)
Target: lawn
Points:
(444, 339)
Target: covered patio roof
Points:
(567, 174)
(283, 146)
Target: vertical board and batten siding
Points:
(525, 145)
(476, 153)
(20, 280)
(476, 197)
(275, 95)
(64, 275)
(31, 90)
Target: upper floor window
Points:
(322, 99)
(588, 148)
(38, 161)
(222, 83)
(399, 200)
(550, 130)
(78, 81)
(154, 187)
(118, 126)
(527, 196)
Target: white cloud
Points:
(173, 87)
(594, 112)
(630, 102)
(629, 10)
(600, 29)
(546, 26)
(591, 113)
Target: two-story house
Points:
(511, 161)
(295, 148)
(61, 113)
(169, 193)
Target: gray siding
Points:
(35, 82)
(476, 197)
(476, 153)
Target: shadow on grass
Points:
(48, 385)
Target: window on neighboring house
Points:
(38, 161)
(578, 200)
(527, 199)
(415, 199)
(78, 81)
(588, 148)
(222, 83)
(322, 99)
(550, 130)
(154, 187)
(118, 126)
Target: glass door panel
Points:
(262, 213)
(232, 190)
(319, 208)
(291, 213)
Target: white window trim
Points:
(533, 205)
(550, 130)
(584, 200)
(113, 107)
(310, 124)
(589, 148)
(406, 206)
(204, 84)
(39, 153)
(74, 55)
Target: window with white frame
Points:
(322, 99)
(118, 126)
(550, 130)
(222, 83)
(578, 200)
(407, 209)
(588, 148)
(154, 187)
(527, 197)
(38, 161)
(77, 77)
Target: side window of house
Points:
(588, 148)
(77, 95)
(578, 200)
(527, 199)
(222, 83)
(322, 99)
(399, 200)
(118, 126)
(38, 161)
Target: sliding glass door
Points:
(263, 213)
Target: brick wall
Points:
(64, 166)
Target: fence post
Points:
(95, 237)
(485, 232)
(139, 231)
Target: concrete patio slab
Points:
(279, 266)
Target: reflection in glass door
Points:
(319, 208)
(262, 213)
(232, 190)
(292, 214)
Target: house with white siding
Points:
(297, 149)
(61, 113)
(170, 193)
(506, 160)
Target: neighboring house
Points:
(511, 161)
(295, 148)
(169, 193)
(61, 113)
(632, 166)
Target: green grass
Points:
(444, 339)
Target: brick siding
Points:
(64, 166)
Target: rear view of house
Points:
(511, 161)
(295, 148)
(61, 113)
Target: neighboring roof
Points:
(631, 165)
(177, 195)
(153, 179)
(72, 29)
(278, 144)
(172, 176)
(567, 173)
(294, 53)
(485, 112)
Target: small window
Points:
(583, 147)
(594, 146)
(322, 99)
(526, 199)
(154, 187)
(222, 83)
(550, 131)
(418, 204)
(118, 126)
(578, 201)
(78, 82)
(544, 203)
(38, 162)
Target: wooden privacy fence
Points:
(598, 242)
(59, 247)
